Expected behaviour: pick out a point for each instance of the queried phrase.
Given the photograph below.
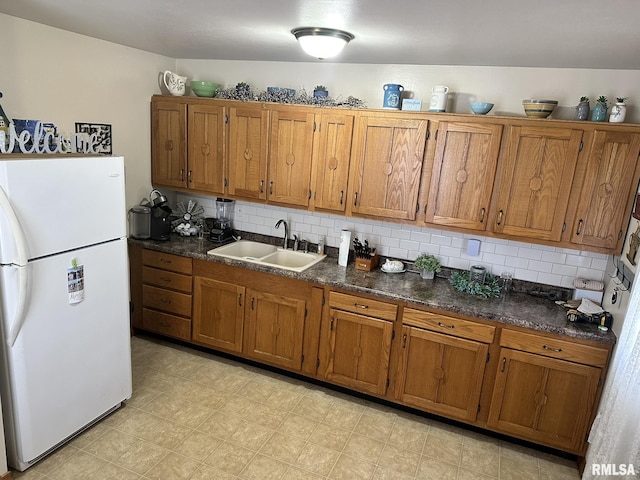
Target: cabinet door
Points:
(463, 173)
(440, 373)
(386, 166)
(248, 147)
(275, 329)
(218, 313)
(332, 152)
(168, 144)
(536, 178)
(609, 185)
(359, 348)
(543, 399)
(206, 149)
(290, 157)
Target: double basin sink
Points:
(269, 255)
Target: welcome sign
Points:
(43, 141)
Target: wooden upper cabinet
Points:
(332, 153)
(207, 165)
(291, 147)
(169, 144)
(608, 189)
(386, 165)
(536, 178)
(463, 174)
(248, 150)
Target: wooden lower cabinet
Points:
(275, 328)
(218, 313)
(440, 373)
(545, 400)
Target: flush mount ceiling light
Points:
(322, 42)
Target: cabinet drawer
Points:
(449, 325)
(166, 300)
(164, 279)
(556, 348)
(364, 306)
(166, 324)
(166, 261)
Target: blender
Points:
(221, 230)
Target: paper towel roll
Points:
(343, 253)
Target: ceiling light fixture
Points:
(322, 42)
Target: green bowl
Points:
(204, 89)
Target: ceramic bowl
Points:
(204, 89)
(481, 108)
(539, 108)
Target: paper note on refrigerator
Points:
(75, 283)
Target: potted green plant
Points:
(427, 264)
(582, 110)
(320, 91)
(619, 110)
(599, 112)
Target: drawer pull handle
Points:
(166, 301)
(165, 279)
(164, 260)
(360, 305)
(482, 215)
(551, 349)
(165, 324)
(500, 214)
(446, 326)
(261, 186)
(341, 196)
(579, 230)
(355, 199)
(240, 299)
(504, 362)
(404, 341)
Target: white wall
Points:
(60, 77)
(505, 87)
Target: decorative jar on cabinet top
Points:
(392, 95)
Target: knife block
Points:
(367, 264)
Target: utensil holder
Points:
(367, 264)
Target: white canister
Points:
(343, 253)
(438, 98)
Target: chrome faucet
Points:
(286, 232)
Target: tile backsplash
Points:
(526, 261)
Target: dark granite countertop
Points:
(512, 308)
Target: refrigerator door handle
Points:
(21, 246)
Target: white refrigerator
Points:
(64, 299)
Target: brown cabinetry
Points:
(166, 294)
(218, 314)
(187, 146)
(330, 166)
(608, 190)
(275, 329)
(545, 389)
(536, 178)
(248, 151)
(463, 173)
(357, 342)
(169, 143)
(290, 152)
(443, 363)
(386, 165)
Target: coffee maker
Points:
(160, 212)
(221, 230)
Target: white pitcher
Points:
(438, 98)
(174, 83)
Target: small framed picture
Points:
(103, 133)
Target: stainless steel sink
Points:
(265, 254)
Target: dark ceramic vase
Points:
(582, 111)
